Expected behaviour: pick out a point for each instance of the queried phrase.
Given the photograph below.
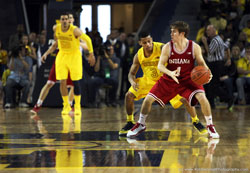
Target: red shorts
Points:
(164, 90)
(52, 76)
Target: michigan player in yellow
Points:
(147, 58)
(69, 59)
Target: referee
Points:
(216, 62)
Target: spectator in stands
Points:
(233, 10)
(41, 48)
(230, 33)
(31, 50)
(106, 72)
(112, 39)
(235, 56)
(129, 58)
(242, 42)
(14, 39)
(3, 59)
(243, 21)
(31, 53)
(218, 21)
(122, 54)
(243, 68)
(44, 32)
(19, 66)
(32, 39)
(95, 37)
(4, 77)
(246, 30)
(228, 75)
(201, 32)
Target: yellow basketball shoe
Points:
(66, 109)
(77, 110)
(200, 127)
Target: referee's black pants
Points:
(214, 88)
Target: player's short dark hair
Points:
(70, 12)
(181, 26)
(143, 34)
(64, 14)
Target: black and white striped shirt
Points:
(216, 49)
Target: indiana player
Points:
(179, 52)
(147, 58)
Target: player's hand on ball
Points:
(210, 77)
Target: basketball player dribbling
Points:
(179, 52)
(52, 76)
(147, 58)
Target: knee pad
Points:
(77, 87)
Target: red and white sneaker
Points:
(35, 109)
(212, 132)
(136, 130)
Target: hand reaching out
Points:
(135, 85)
(91, 59)
(43, 58)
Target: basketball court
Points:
(50, 142)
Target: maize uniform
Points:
(69, 58)
(151, 74)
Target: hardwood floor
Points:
(51, 142)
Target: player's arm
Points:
(84, 37)
(198, 55)
(132, 72)
(78, 33)
(163, 61)
(52, 48)
(91, 59)
(162, 46)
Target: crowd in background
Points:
(231, 19)
(21, 59)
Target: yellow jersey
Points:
(67, 42)
(149, 64)
(244, 63)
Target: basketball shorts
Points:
(164, 90)
(52, 77)
(144, 89)
(69, 63)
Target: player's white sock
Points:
(142, 119)
(209, 119)
(39, 102)
(71, 102)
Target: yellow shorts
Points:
(69, 63)
(144, 89)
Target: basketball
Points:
(200, 75)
